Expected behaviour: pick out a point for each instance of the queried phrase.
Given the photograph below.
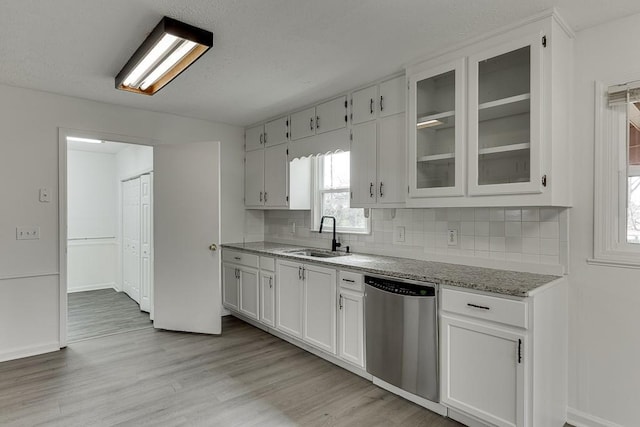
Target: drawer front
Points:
(349, 280)
(242, 258)
(485, 307)
(267, 263)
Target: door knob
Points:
(213, 247)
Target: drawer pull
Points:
(237, 257)
(478, 306)
(349, 280)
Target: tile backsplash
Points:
(524, 235)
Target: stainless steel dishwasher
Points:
(401, 319)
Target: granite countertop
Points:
(504, 282)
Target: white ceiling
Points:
(269, 56)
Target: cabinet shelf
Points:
(436, 157)
(439, 120)
(504, 148)
(504, 107)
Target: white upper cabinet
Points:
(363, 157)
(254, 178)
(504, 118)
(303, 123)
(437, 131)
(364, 105)
(392, 159)
(392, 96)
(276, 131)
(515, 92)
(331, 115)
(276, 165)
(254, 138)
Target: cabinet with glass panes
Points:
(437, 130)
(489, 122)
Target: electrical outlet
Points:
(27, 233)
(45, 196)
(400, 234)
(452, 237)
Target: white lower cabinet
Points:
(483, 370)
(351, 327)
(268, 298)
(319, 307)
(249, 292)
(230, 279)
(289, 294)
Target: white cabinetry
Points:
(254, 138)
(320, 307)
(267, 291)
(276, 131)
(351, 318)
(254, 178)
(303, 123)
(503, 361)
(230, 282)
(240, 287)
(289, 298)
(515, 150)
(249, 292)
(325, 117)
(378, 154)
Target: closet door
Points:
(146, 233)
(131, 234)
(126, 237)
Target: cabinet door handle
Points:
(265, 197)
(381, 193)
(478, 306)
(237, 257)
(261, 138)
(265, 137)
(340, 302)
(371, 106)
(237, 273)
(271, 282)
(304, 273)
(519, 350)
(311, 123)
(300, 272)
(349, 280)
(261, 196)
(317, 122)
(371, 189)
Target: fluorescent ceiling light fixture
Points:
(170, 49)
(89, 140)
(429, 123)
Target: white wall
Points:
(92, 211)
(604, 316)
(29, 122)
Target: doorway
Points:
(109, 237)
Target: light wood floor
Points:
(245, 377)
(103, 312)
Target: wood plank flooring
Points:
(103, 312)
(245, 377)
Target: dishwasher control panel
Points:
(401, 288)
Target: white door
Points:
(363, 164)
(331, 115)
(276, 165)
(249, 292)
(267, 298)
(254, 138)
(230, 280)
(351, 327)
(483, 371)
(303, 123)
(392, 96)
(126, 237)
(131, 237)
(320, 307)
(276, 131)
(289, 298)
(254, 178)
(186, 198)
(146, 233)
(364, 105)
(392, 161)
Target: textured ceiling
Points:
(269, 56)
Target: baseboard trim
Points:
(582, 419)
(94, 287)
(29, 351)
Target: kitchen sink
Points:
(317, 253)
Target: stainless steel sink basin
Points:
(317, 253)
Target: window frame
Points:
(317, 166)
(610, 185)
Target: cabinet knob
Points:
(213, 247)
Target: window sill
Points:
(614, 263)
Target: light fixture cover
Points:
(170, 49)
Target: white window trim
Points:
(610, 183)
(315, 204)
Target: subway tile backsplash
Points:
(525, 235)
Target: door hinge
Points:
(544, 41)
(350, 136)
(346, 119)
(519, 350)
(287, 198)
(351, 101)
(407, 189)
(287, 151)
(544, 180)
(287, 122)
(408, 86)
(352, 194)
(345, 103)
(351, 116)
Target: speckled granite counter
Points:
(504, 282)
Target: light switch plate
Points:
(400, 234)
(45, 195)
(27, 233)
(452, 237)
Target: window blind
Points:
(624, 93)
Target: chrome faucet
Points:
(334, 244)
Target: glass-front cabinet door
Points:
(504, 119)
(437, 131)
